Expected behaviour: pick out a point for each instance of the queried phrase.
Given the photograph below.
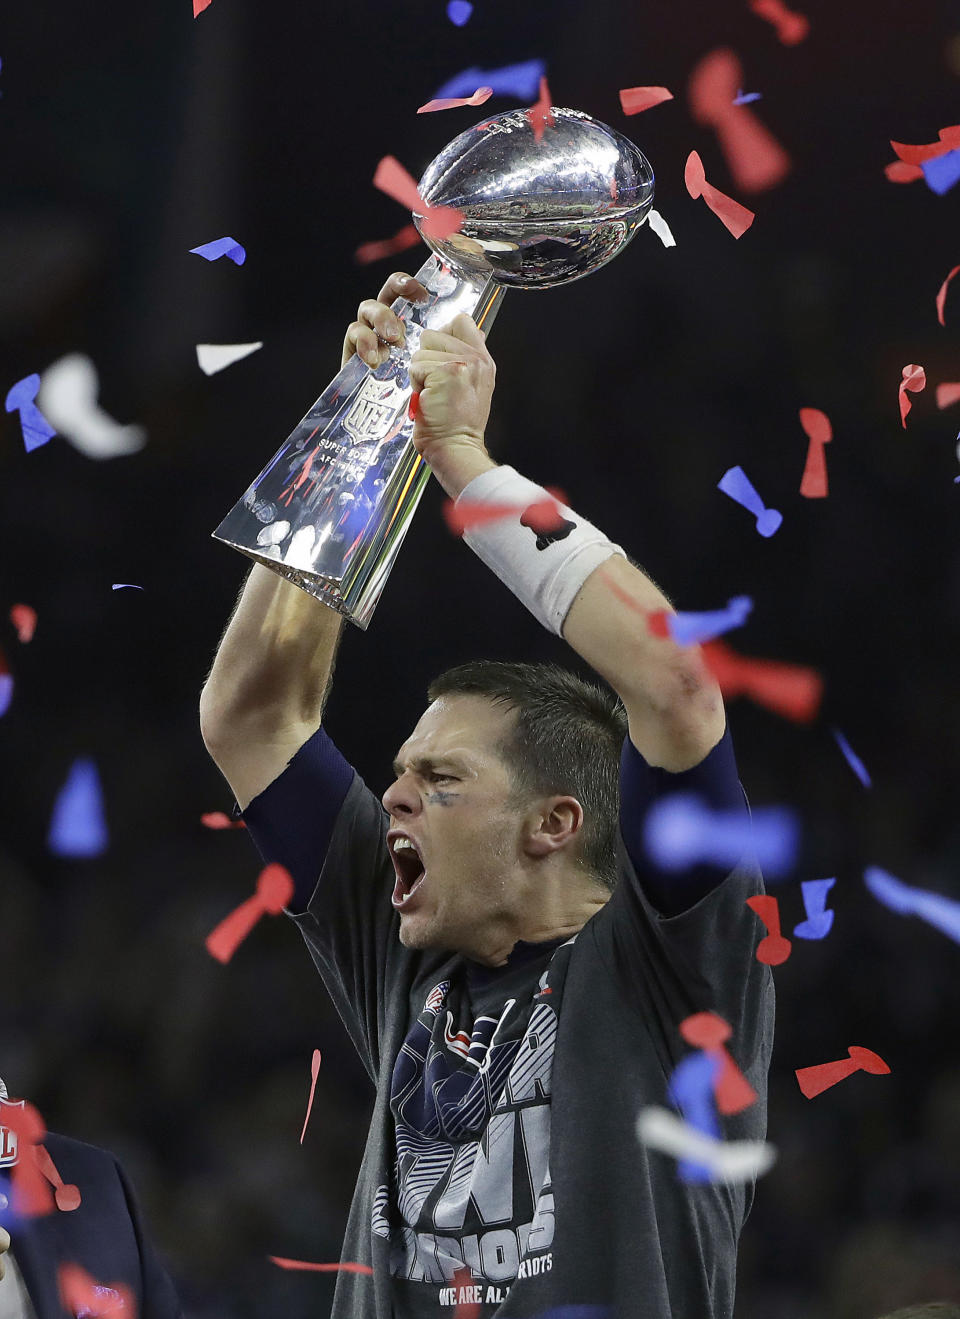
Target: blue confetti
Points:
(852, 759)
(459, 11)
(940, 912)
(941, 173)
(819, 921)
(519, 80)
(222, 247)
(690, 629)
(6, 692)
(744, 98)
(738, 486)
(125, 586)
(78, 827)
(36, 429)
(691, 1091)
(681, 831)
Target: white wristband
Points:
(545, 571)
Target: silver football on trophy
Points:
(538, 213)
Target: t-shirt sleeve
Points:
(714, 782)
(320, 820)
(684, 942)
(291, 822)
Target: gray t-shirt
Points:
(503, 1135)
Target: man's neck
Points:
(540, 927)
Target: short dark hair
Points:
(927, 1310)
(566, 739)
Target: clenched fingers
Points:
(462, 331)
(377, 328)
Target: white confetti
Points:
(213, 357)
(68, 399)
(730, 1160)
(660, 227)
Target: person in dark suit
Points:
(97, 1226)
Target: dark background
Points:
(131, 133)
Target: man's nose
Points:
(401, 798)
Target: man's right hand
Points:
(377, 329)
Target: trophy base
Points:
(331, 509)
(355, 593)
(322, 589)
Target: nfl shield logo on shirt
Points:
(436, 996)
(8, 1137)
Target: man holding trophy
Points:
(511, 966)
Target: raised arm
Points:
(273, 669)
(673, 704)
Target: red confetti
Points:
(919, 155)
(942, 295)
(438, 221)
(220, 820)
(790, 690)
(898, 171)
(657, 624)
(819, 432)
(633, 100)
(275, 888)
(754, 157)
(541, 112)
(736, 217)
(947, 393)
(656, 619)
(791, 28)
(773, 948)
(452, 102)
(31, 1194)
(413, 407)
(66, 1194)
(81, 1295)
(707, 1031)
(814, 1080)
(199, 6)
(541, 517)
(24, 619)
(377, 249)
(914, 380)
(314, 1073)
(463, 1284)
(318, 1268)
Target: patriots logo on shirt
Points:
(543, 986)
(436, 996)
(458, 1042)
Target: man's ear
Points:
(552, 825)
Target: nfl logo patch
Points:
(8, 1137)
(436, 996)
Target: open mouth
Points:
(410, 873)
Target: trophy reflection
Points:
(331, 509)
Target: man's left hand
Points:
(454, 375)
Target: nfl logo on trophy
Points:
(8, 1137)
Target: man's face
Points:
(450, 800)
